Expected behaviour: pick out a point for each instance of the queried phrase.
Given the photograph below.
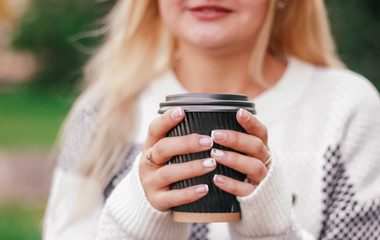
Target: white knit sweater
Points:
(324, 133)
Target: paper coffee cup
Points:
(205, 112)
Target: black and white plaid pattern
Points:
(198, 231)
(345, 217)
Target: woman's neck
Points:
(200, 72)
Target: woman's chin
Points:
(216, 46)
(208, 42)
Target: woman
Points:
(318, 120)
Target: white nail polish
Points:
(206, 141)
(209, 163)
(177, 113)
(218, 135)
(219, 179)
(217, 153)
(244, 114)
(202, 189)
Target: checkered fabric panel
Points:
(199, 231)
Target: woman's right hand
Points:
(156, 176)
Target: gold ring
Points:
(148, 156)
(268, 161)
(149, 159)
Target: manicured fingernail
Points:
(209, 163)
(202, 189)
(244, 114)
(219, 179)
(218, 135)
(177, 113)
(206, 141)
(217, 153)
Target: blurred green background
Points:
(43, 46)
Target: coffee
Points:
(205, 112)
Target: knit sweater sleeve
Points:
(128, 213)
(352, 179)
(59, 222)
(266, 213)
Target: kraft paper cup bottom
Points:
(205, 217)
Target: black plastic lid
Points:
(207, 102)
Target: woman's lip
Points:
(209, 12)
(210, 7)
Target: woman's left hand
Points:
(254, 144)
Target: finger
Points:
(254, 168)
(242, 142)
(168, 147)
(176, 172)
(172, 198)
(233, 186)
(252, 125)
(162, 124)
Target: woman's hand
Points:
(156, 175)
(254, 144)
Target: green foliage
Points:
(49, 30)
(356, 29)
(29, 119)
(21, 221)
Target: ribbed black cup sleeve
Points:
(216, 201)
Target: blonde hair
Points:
(138, 48)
